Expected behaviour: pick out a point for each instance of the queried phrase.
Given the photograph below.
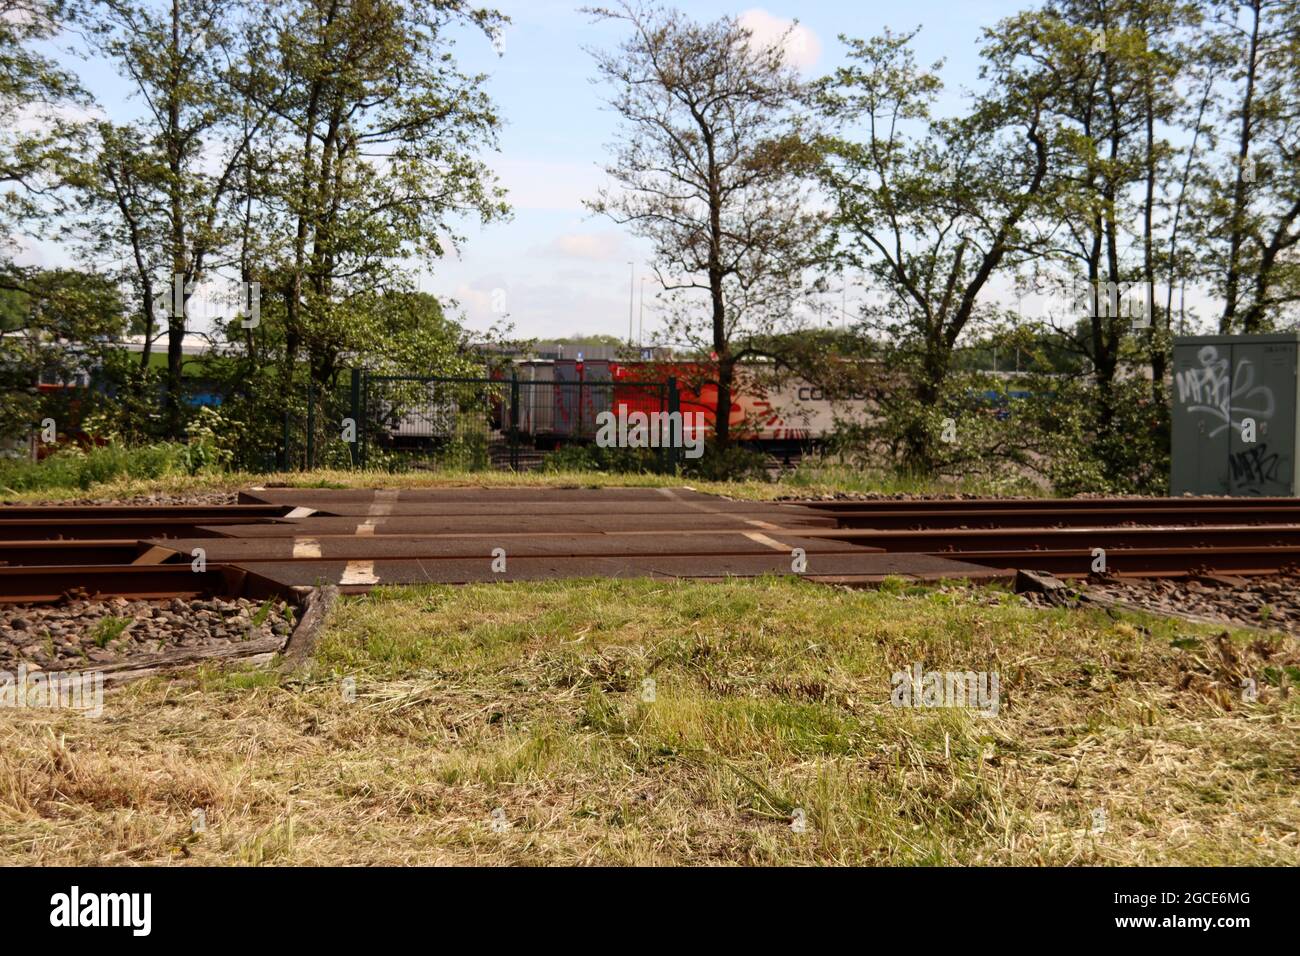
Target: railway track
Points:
(282, 542)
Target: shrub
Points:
(76, 468)
(729, 463)
(609, 460)
(212, 441)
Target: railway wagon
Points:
(427, 416)
(787, 412)
(560, 399)
(581, 392)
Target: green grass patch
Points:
(107, 630)
(80, 470)
(662, 722)
(113, 472)
(770, 695)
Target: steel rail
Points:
(1038, 504)
(168, 512)
(263, 547)
(1056, 517)
(97, 529)
(964, 540)
(46, 584)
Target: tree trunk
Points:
(180, 278)
(726, 367)
(1237, 228)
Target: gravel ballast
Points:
(83, 634)
(192, 498)
(1271, 603)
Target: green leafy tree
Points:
(57, 327)
(713, 167)
(371, 158)
(1114, 77)
(394, 333)
(34, 127)
(1249, 209)
(931, 209)
(156, 194)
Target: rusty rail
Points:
(52, 553)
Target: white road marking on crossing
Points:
(359, 572)
(306, 548)
(765, 540)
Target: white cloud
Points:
(540, 307)
(29, 252)
(802, 48)
(39, 117)
(596, 246)
(549, 186)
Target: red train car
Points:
(559, 400)
(788, 413)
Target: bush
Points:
(466, 452)
(154, 461)
(618, 461)
(100, 465)
(729, 463)
(1125, 452)
(212, 441)
(75, 468)
(986, 430)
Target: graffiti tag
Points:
(1212, 390)
(1255, 466)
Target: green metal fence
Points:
(319, 426)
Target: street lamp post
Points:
(640, 329)
(631, 299)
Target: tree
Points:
(1251, 231)
(38, 310)
(713, 167)
(394, 333)
(1118, 183)
(313, 147)
(165, 182)
(931, 209)
(33, 130)
(371, 155)
(57, 327)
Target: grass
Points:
(107, 630)
(75, 471)
(431, 709)
(808, 481)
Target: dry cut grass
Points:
(514, 724)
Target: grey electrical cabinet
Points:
(1234, 415)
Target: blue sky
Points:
(565, 271)
(562, 270)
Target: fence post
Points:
(311, 423)
(665, 433)
(284, 444)
(675, 415)
(355, 412)
(514, 420)
(363, 417)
